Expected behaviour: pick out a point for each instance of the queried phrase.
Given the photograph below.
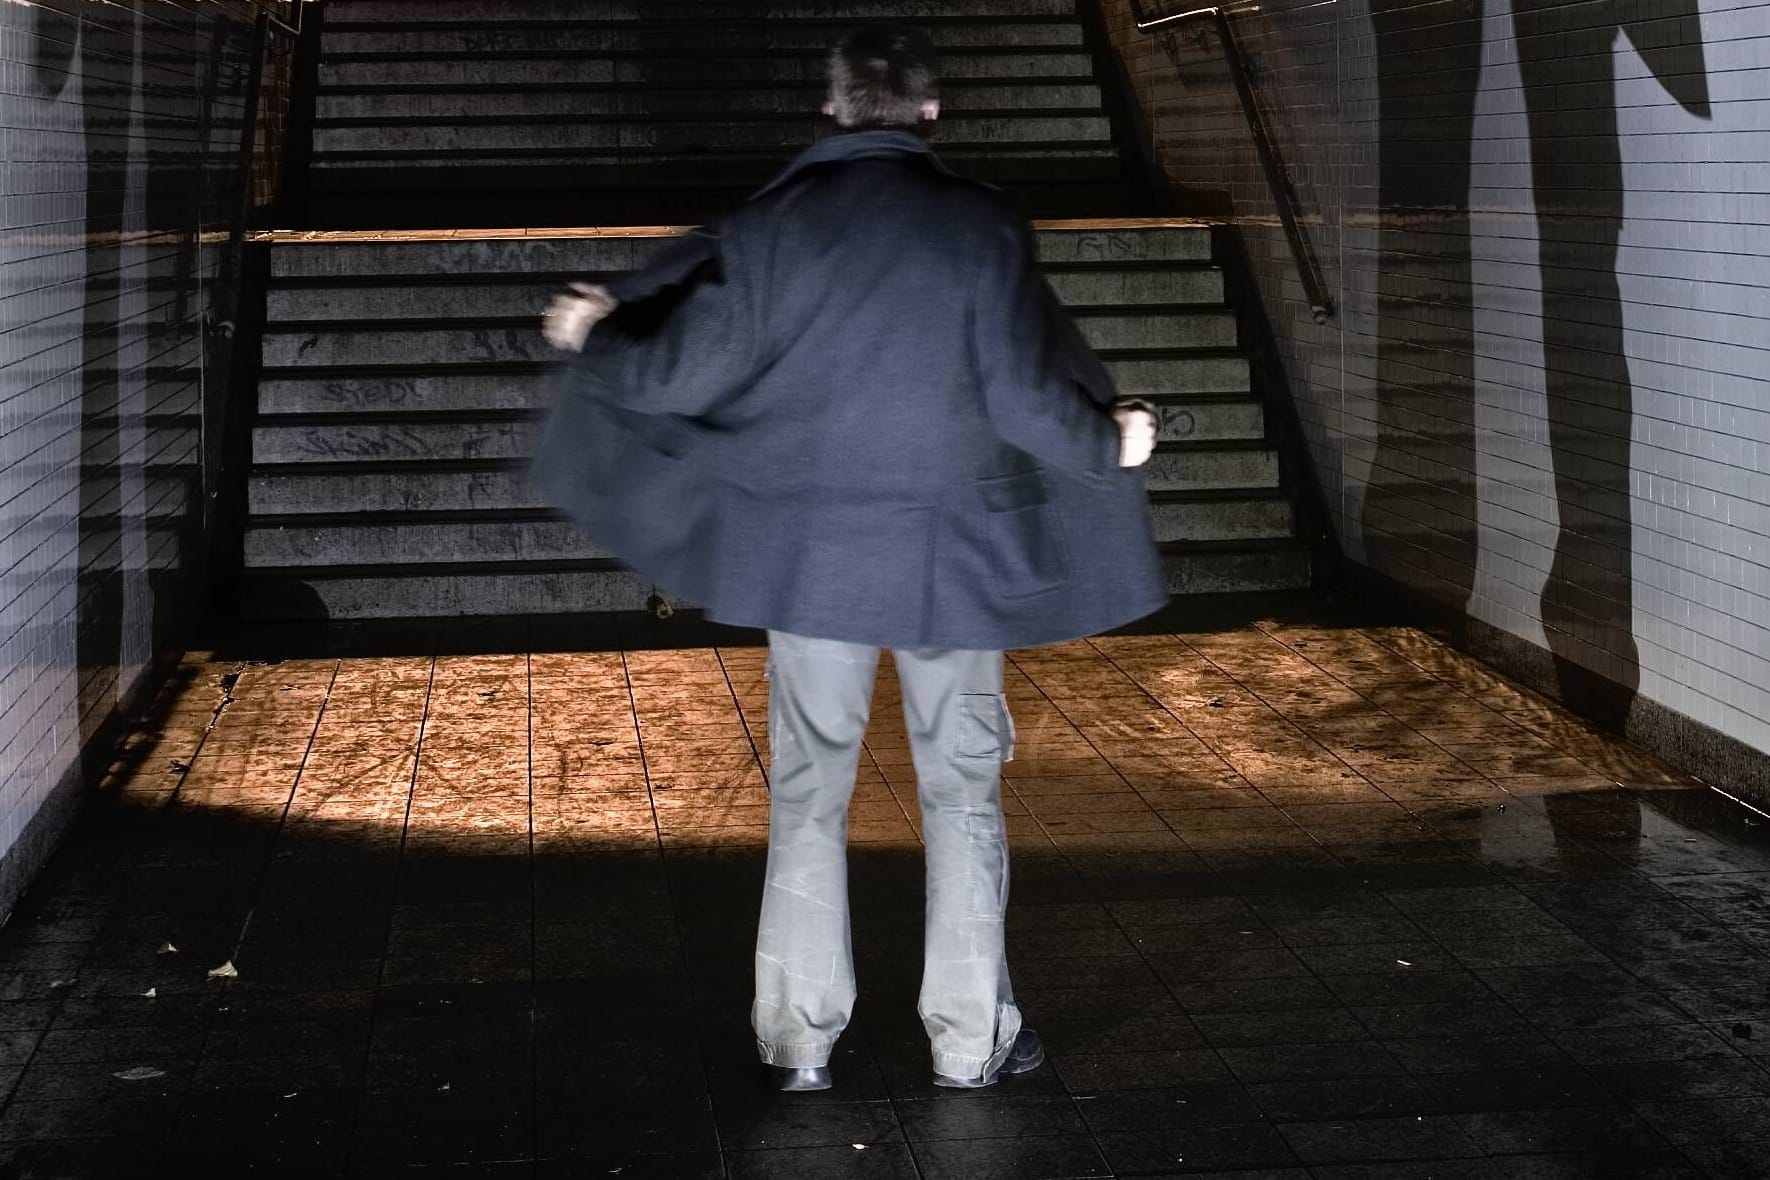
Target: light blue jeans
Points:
(820, 697)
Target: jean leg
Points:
(960, 734)
(819, 697)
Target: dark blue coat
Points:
(854, 411)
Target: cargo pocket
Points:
(985, 728)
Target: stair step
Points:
(413, 488)
(1212, 467)
(478, 434)
(490, 11)
(482, 299)
(504, 341)
(592, 137)
(1186, 384)
(1075, 249)
(283, 441)
(509, 102)
(407, 476)
(1238, 569)
(417, 540)
(674, 68)
(1241, 517)
(558, 38)
(355, 593)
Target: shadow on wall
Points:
(1420, 505)
(149, 82)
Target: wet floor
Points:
(1293, 898)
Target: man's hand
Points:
(568, 319)
(1136, 421)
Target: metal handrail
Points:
(1278, 181)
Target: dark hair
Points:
(882, 76)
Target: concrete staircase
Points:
(404, 380)
(622, 112)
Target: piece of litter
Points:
(150, 993)
(167, 948)
(140, 1073)
(226, 971)
(291, 1094)
(444, 1088)
(1404, 962)
(859, 1146)
(56, 984)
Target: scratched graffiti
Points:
(381, 393)
(1107, 247)
(1176, 422)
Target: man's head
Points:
(883, 76)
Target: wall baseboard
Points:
(1723, 762)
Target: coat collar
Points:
(859, 145)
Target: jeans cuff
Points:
(812, 1056)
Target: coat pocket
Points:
(1027, 551)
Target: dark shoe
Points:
(799, 1081)
(1026, 1055)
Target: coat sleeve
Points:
(1034, 388)
(689, 342)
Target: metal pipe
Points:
(1278, 182)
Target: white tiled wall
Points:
(1477, 526)
(106, 175)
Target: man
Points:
(862, 422)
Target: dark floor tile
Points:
(1575, 1128)
(1218, 966)
(990, 1117)
(121, 1079)
(783, 1122)
(1548, 1086)
(1221, 1149)
(1616, 1011)
(1733, 1161)
(140, 1118)
(1094, 1072)
(706, 1165)
(454, 1138)
(1723, 1075)
(1407, 985)
(567, 1126)
(1286, 1063)
(1258, 995)
(1653, 1042)
(1292, 1026)
(1439, 1169)
(1639, 1164)
(1346, 1140)
(1056, 1157)
(460, 954)
(1711, 1120)
(867, 1161)
(1468, 1054)
(1344, 1098)
(1168, 1108)
(118, 1158)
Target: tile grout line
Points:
(675, 913)
(239, 941)
(393, 907)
